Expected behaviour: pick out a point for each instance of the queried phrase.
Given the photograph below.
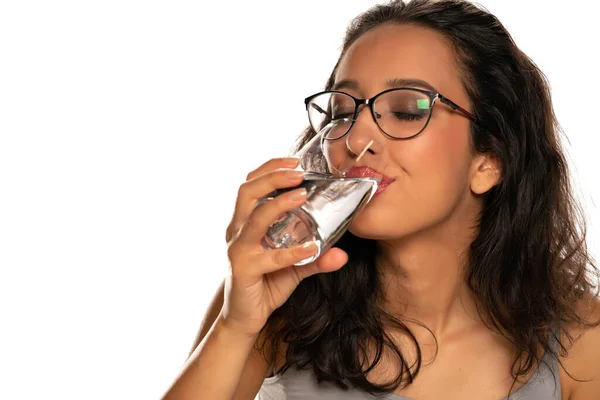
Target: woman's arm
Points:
(223, 364)
(214, 308)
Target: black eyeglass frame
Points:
(433, 96)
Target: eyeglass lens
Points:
(400, 113)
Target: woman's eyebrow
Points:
(409, 82)
(390, 83)
(345, 84)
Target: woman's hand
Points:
(261, 281)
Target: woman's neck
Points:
(424, 280)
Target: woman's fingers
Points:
(330, 261)
(263, 216)
(272, 165)
(245, 205)
(280, 260)
(281, 283)
(253, 190)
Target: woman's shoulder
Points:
(580, 375)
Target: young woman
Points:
(466, 278)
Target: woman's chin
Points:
(370, 225)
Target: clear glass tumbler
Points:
(332, 203)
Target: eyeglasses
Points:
(400, 113)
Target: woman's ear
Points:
(486, 172)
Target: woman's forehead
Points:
(396, 52)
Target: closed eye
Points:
(407, 116)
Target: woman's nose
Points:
(363, 131)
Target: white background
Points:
(126, 128)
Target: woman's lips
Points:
(381, 187)
(368, 172)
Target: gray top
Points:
(300, 385)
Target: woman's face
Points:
(433, 172)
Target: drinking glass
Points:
(333, 201)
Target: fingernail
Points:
(292, 162)
(294, 174)
(309, 248)
(298, 195)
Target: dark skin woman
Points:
(463, 279)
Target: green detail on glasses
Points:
(423, 104)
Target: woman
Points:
(467, 278)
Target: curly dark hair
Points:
(528, 267)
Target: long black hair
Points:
(528, 268)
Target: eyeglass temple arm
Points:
(456, 107)
(319, 109)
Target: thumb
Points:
(332, 260)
